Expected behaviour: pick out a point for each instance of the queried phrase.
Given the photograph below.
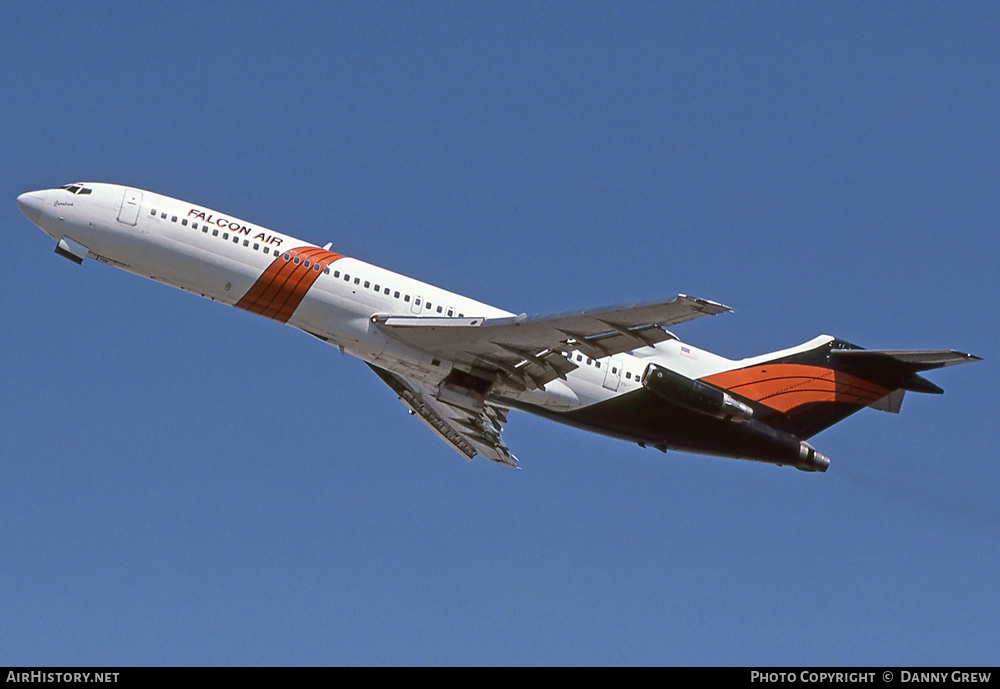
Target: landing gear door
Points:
(129, 212)
(613, 376)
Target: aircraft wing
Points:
(529, 349)
(468, 431)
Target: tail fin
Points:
(808, 391)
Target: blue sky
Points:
(185, 483)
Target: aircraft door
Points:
(415, 305)
(613, 375)
(129, 212)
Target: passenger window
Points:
(256, 246)
(429, 305)
(204, 228)
(194, 225)
(590, 361)
(184, 222)
(439, 309)
(316, 267)
(367, 284)
(286, 256)
(387, 291)
(152, 212)
(406, 298)
(614, 370)
(628, 374)
(377, 288)
(598, 364)
(357, 281)
(347, 278)
(215, 233)
(417, 301)
(450, 312)
(396, 295)
(225, 235)
(246, 242)
(173, 219)
(163, 215)
(336, 273)
(266, 250)
(579, 357)
(305, 263)
(296, 260)
(326, 271)
(236, 240)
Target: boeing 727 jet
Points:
(460, 365)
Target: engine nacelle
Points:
(693, 394)
(811, 459)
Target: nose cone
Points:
(31, 204)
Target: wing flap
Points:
(468, 432)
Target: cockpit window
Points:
(77, 189)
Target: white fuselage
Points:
(222, 257)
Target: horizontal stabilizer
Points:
(913, 359)
(900, 366)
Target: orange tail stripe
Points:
(790, 400)
(786, 386)
(284, 284)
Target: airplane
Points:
(460, 365)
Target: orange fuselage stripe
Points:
(786, 386)
(284, 284)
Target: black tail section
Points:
(807, 392)
(899, 366)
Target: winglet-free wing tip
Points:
(510, 461)
(712, 307)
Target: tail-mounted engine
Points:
(695, 395)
